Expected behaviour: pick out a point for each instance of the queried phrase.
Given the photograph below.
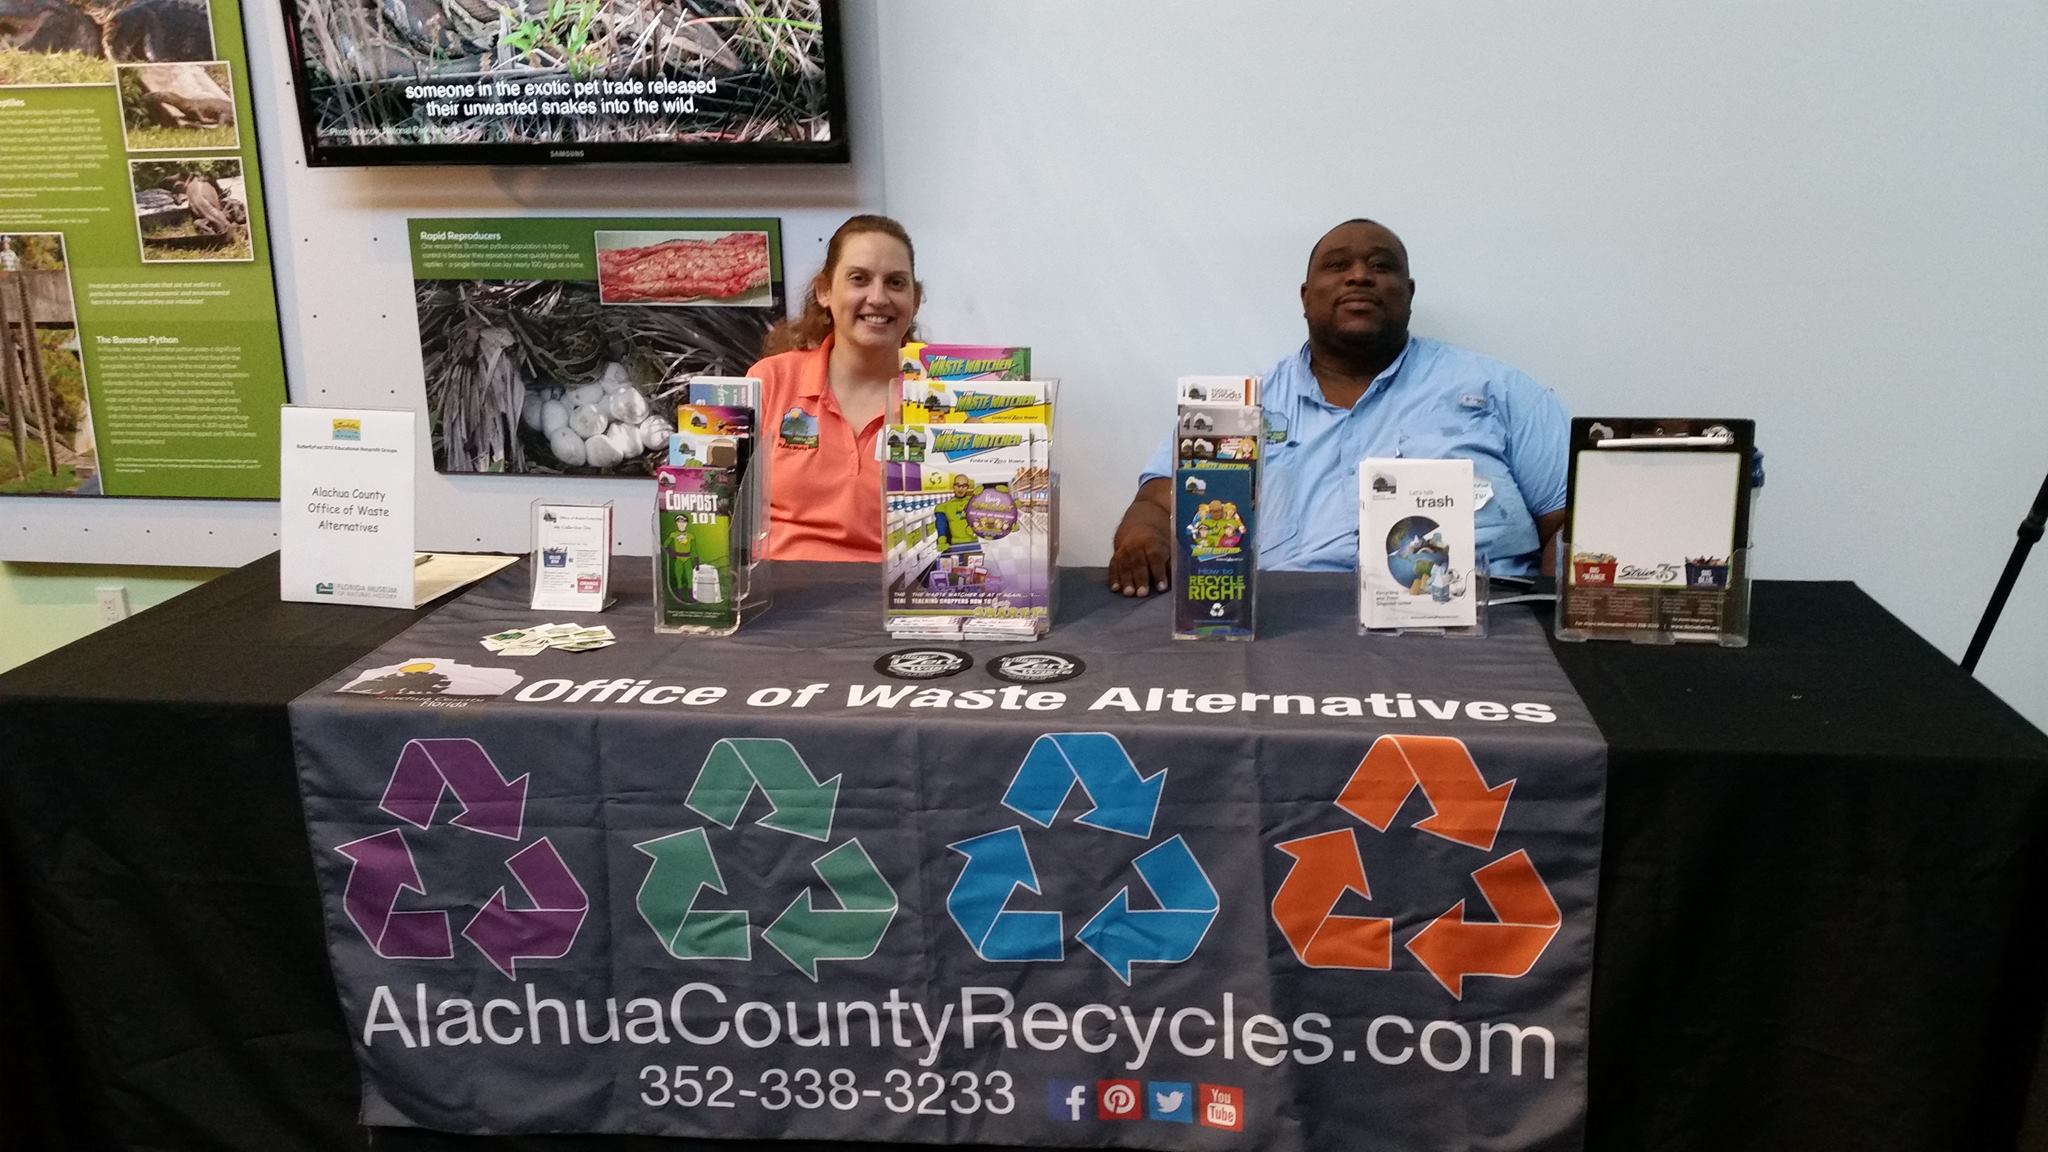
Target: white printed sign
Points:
(345, 533)
(572, 546)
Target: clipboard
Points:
(1656, 543)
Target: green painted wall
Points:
(46, 606)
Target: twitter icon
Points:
(1170, 1100)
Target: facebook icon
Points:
(1066, 1099)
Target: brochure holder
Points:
(711, 513)
(1219, 433)
(970, 516)
(571, 558)
(1657, 545)
(1714, 611)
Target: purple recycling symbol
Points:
(490, 804)
(545, 931)
(382, 866)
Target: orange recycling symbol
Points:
(1464, 811)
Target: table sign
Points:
(1418, 562)
(572, 557)
(1656, 547)
(345, 531)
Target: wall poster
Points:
(139, 345)
(561, 346)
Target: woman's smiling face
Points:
(873, 292)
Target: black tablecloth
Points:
(1824, 858)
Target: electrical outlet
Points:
(113, 600)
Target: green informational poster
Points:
(559, 346)
(139, 347)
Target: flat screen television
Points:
(567, 81)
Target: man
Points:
(1362, 386)
(954, 529)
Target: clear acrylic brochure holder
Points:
(1710, 607)
(711, 538)
(970, 520)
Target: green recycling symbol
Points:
(684, 867)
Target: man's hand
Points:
(1547, 526)
(1141, 563)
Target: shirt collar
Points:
(1311, 392)
(817, 371)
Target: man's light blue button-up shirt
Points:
(1433, 402)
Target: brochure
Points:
(1215, 498)
(967, 530)
(965, 362)
(697, 583)
(977, 402)
(1416, 555)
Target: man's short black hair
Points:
(1358, 220)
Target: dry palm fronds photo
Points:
(538, 376)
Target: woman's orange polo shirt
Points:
(824, 482)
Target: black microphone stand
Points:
(2030, 532)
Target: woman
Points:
(825, 390)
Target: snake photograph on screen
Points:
(554, 81)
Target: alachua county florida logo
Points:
(924, 663)
(432, 676)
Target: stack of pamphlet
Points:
(968, 535)
(1218, 429)
(965, 362)
(711, 511)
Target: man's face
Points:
(962, 486)
(1358, 290)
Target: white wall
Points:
(1825, 216)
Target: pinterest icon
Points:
(1118, 1100)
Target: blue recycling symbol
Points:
(1121, 801)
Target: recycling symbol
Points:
(382, 868)
(684, 867)
(1122, 802)
(1464, 810)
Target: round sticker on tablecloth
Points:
(1035, 667)
(924, 663)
